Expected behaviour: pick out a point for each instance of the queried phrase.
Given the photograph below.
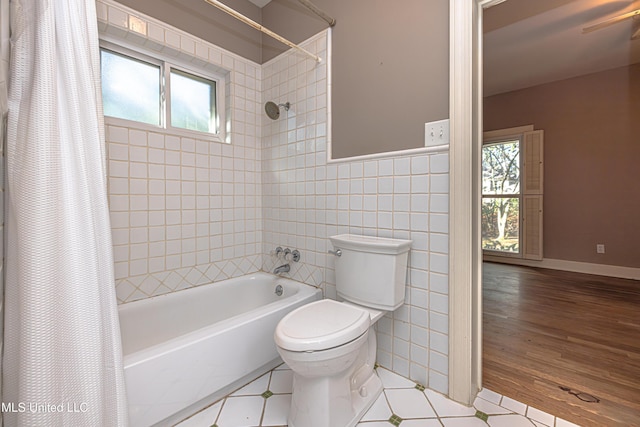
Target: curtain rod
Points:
(259, 27)
(313, 8)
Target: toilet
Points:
(331, 346)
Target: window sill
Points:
(180, 133)
(486, 253)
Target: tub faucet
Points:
(284, 268)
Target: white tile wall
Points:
(184, 211)
(306, 200)
(187, 212)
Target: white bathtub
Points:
(184, 350)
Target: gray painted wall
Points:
(390, 67)
(205, 21)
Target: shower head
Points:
(273, 110)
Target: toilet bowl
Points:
(331, 346)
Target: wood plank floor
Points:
(544, 329)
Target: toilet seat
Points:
(321, 325)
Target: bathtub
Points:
(187, 349)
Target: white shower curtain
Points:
(62, 359)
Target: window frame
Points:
(167, 64)
(147, 60)
(168, 69)
(504, 139)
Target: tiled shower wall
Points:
(306, 200)
(184, 211)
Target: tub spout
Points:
(284, 268)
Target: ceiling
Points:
(260, 3)
(529, 43)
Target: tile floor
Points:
(265, 402)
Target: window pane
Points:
(193, 102)
(130, 88)
(500, 224)
(501, 168)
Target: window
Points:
(193, 102)
(150, 91)
(130, 88)
(512, 193)
(501, 196)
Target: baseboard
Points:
(575, 266)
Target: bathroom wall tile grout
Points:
(184, 211)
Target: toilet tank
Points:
(371, 271)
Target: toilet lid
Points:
(321, 325)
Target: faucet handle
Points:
(287, 254)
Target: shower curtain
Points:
(62, 353)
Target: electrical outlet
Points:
(436, 133)
(600, 248)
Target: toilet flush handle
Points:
(337, 252)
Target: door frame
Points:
(465, 253)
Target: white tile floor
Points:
(265, 402)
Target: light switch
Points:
(436, 133)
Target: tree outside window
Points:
(501, 196)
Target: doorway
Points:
(465, 272)
(522, 275)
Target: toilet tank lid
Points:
(383, 245)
